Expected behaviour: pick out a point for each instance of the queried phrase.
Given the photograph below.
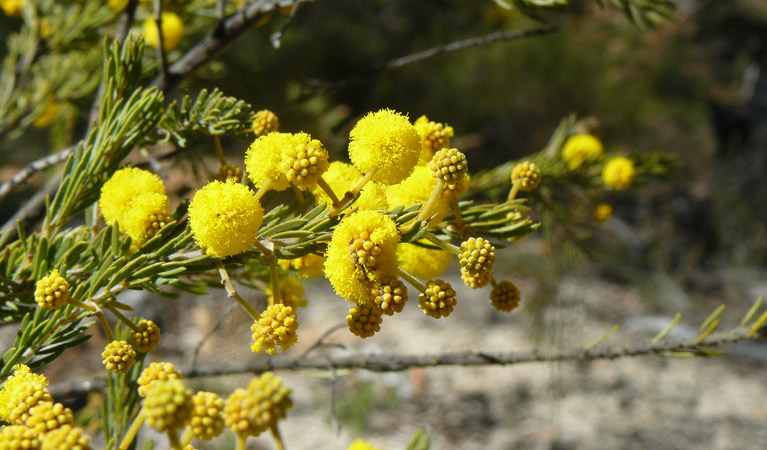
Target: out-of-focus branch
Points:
(396, 362)
(35, 166)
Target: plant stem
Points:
(242, 442)
(412, 280)
(82, 305)
(105, 325)
(175, 444)
(277, 437)
(442, 244)
(132, 431)
(122, 318)
(513, 192)
(219, 150)
(429, 205)
(263, 188)
(328, 190)
(231, 292)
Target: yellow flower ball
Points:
(147, 338)
(265, 402)
(602, 212)
(167, 405)
(52, 291)
(434, 137)
(207, 419)
(527, 174)
(47, 116)
(364, 320)
(47, 416)
(19, 437)
(307, 266)
(118, 356)
(363, 248)
(343, 177)
(148, 212)
(263, 160)
(386, 142)
(265, 122)
(12, 8)
(67, 437)
(505, 296)
(125, 185)
(224, 218)
(156, 372)
(423, 263)
(581, 149)
(619, 173)
(359, 444)
(291, 293)
(20, 392)
(276, 327)
(438, 300)
(172, 31)
(304, 161)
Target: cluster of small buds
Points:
(52, 291)
(23, 399)
(168, 405)
(265, 122)
(438, 300)
(253, 410)
(155, 221)
(527, 174)
(19, 437)
(389, 295)
(364, 320)
(304, 161)
(434, 135)
(504, 296)
(67, 437)
(476, 259)
(156, 372)
(449, 165)
(147, 338)
(118, 356)
(363, 251)
(207, 420)
(228, 171)
(276, 327)
(48, 416)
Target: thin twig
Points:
(35, 166)
(209, 334)
(33, 207)
(498, 36)
(320, 341)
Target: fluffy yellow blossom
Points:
(265, 122)
(359, 444)
(172, 31)
(251, 411)
(581, 149)
(48, 115)
(12, 8)
(224, 218)
(276, 327)
(148, 213)
(602, 212)
(22, 391)
(307, 266)
(434, 136)
(304, 161)
(386, 142)
(363, 247)
(421, 262)
(343, 177)
(122, 188)
(619, 173)
(263, 160)
(291, 293)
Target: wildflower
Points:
(476, 259)
(48, 115)
(228, 171)
(304, 161)
(172, 31)
(385, 142)
(265, 122)
(449, 165)
(364, 320)
(66, 437)
(359, 444)
(22, 391)
(147, 214)
(581, 149)
(48, 416)
(118, 356)
(251, 411)
(291, 293)
(602, 212)
(389, 295)
(168, 405)
(504, 296)
(307, 266)
(224, 218)
(263, 161)
(207, 419)
(619, 173)
(19, 437)
(12, 8)
(52, 291)
(422, 262)
(527, 175)
(147, 338)
(122, 188)
(156, 372)
(343, 177)
(434, 136)
(363, 248)
(438, 300)
(276, 327)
